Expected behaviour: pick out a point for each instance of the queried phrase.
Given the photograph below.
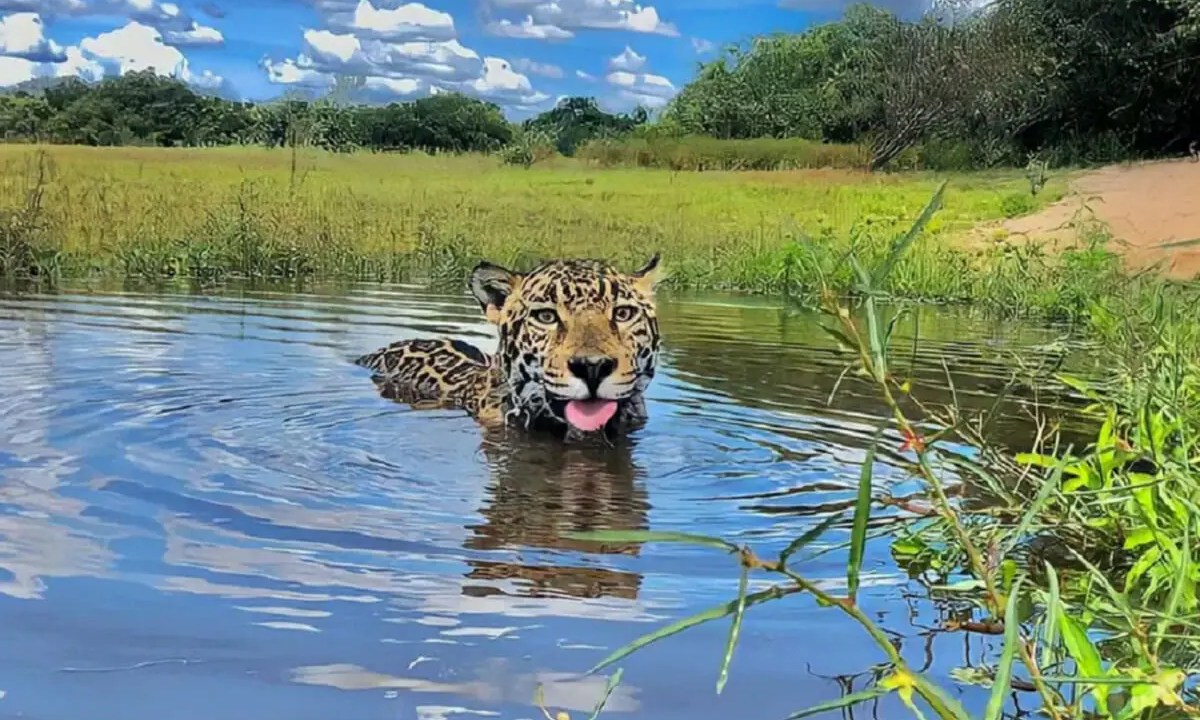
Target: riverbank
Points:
(216, 213)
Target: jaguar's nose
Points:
(592, 369)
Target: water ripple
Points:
(204, 497)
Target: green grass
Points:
(216, 213)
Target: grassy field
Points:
(212, 213)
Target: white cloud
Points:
(587, 77)
(393, 87)
(601, 14)
(533, 67)
(404, 69)
(132, 47)
(176, 25)
(527, 29)
(653, 91)
(702, 46)
(502, 84)
(627, 60)
(136, 47)
(23, 35)
(288, 72)
(197, 35)
(412, 21)
(45, 7)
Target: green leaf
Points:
(713, 613)
(811, 534)
(995, 706)
(1084, 653)
(1035, 509)
(843, 702)
(902, 243)
(611, 685)
(1183, 589)
(944, 705)
(644, 536)
(862, 513)
(734, 629)
(1053, 610)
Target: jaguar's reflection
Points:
(542, 490)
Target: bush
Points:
(1016, 204)
(696, 152)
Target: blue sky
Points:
(521, 54)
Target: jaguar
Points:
(578, 345)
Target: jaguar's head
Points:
(578, 338)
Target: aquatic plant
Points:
(1082, 560)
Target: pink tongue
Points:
(590, 415)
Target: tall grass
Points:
(1082, 560)
(211, 214)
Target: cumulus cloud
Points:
(503, 85)
(412, 21)
(702, 46)
(23, 35)
(403, 69)
(527, 29)
(45, 7)
(289, 72)
(627, 60)
(533, 67)
(136, 47)
(130, 48)
(176, 26)
(653, 91)
(586, 77)
(567, 15)
(197, 35)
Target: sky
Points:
(521, 54)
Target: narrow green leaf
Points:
(862, 513)
(1053, 610)
(1086, 657)
(1080, 646)
(995, 706)
(713, 613)
(812, 534)
(944, 705)
(644, 536)
(1183, 585)
(843, 702)
(611, 685)
(902, 243)
(1039, 503)
(735, 629)
(839, 336)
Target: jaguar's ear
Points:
(491, 285)
(650, 275)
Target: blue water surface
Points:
(208, 513)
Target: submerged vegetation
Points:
(1081, 561)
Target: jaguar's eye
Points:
(624, 313)
(545, 316)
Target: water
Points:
(206, 511)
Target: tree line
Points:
(143, 108)
(1063, 81)
(1069, 80)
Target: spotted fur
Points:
(568, 329)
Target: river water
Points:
(207, 512)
